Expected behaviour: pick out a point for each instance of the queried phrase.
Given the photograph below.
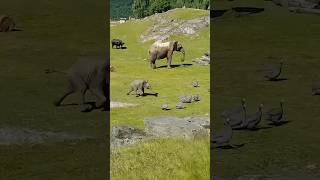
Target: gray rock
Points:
(300, 6)
(21, 136)
(125, 135)
(204, 60)
(189, 128)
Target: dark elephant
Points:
(89, 73)
(161, 50)
(117, 42)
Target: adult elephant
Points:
(88, 73)
(161, 50)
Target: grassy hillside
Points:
(54, 34)
(131, 64)
(242, 45)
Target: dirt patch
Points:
(121, 105)
(20, 136)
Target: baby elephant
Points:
(88, 73)
(138, 87)
(6, 23)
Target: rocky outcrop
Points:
(161, 127)
(125, 135)
(189, 128)
(22, 136)
(204, 60)
(164, 27)
(300, 6)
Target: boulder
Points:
(125, 135)
(189, 128)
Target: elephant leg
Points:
(100, 96)
(139, 93)
(129, 92)
(152, 65)
(152, 59)
(69, 91)
(169, 60)
(84, 107)
(58, 102)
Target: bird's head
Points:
(260, 106)
(243, 101)
(227, 121)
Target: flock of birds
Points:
(184, 99)
(237, 118)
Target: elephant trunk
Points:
(183, 54)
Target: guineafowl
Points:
(186, 99)
(165, 107)
(180, 106)
(254, 119)
(275, 115)
(234, 110)
(239, 120)
(273, 71)
(195, 84)
(195, 97)
(224, 136)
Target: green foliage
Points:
(119, 9)
(139, 8)
(159, 6)
(142, 8)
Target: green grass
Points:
(131, 64)
(53, 35)
(187, 13)
(241, 46)
(162, 160)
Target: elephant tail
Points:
(48, 71)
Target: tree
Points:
(158, 6)
(140, 8)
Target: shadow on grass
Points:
(278, 79)
(123, 47)
(92, 106)
(279, 123)
(229, 146)
(217, 13)
(150, 94)
(175, 65)
(248, 10)
(14, 30)
(259, 128)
